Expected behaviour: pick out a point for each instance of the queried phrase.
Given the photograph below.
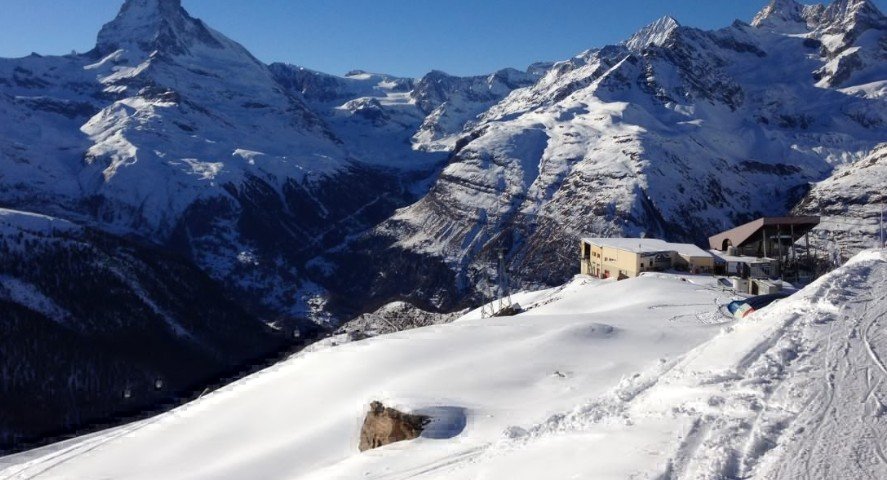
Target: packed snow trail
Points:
(846, 391)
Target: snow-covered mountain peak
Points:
(789, 16)
(162, 7)
(852, 14)
(154, 25)
(856, 8)
(655, 33)
(780, 13)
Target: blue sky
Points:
(402, 37)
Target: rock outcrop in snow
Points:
(385, 425)
(394, 317)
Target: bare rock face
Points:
(385, 425)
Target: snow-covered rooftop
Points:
(739, 258)
(648, 245)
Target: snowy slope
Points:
(677, 133)
(452, 104)
(635, 379)
(850, 203)
(311, 198)
(795, 392)
(303, 415)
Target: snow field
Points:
(301, 418)
(599, 379)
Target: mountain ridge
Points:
(673, 140)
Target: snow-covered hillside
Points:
(851, 203)
(399, 121)
(676, 133)
(643, 378)
(176, 138)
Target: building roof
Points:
(751, 231)
(648, 245)
(719, 255)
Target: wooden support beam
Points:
(779, 247)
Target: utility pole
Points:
(881, 223)
(504, 282)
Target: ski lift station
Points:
(763, 237)
(629, 257)
(756, 254)
(766, 246)
(762, 250)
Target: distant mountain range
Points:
(169, 186)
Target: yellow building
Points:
(628, 257)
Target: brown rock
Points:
(385, 425)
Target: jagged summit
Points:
(852, 14)
(655, 33)
(780, 12)
(790, 16)
(164, 7)
(154, 25)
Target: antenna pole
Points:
(501, 279)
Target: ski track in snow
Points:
(755, 432)
(64, 455)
